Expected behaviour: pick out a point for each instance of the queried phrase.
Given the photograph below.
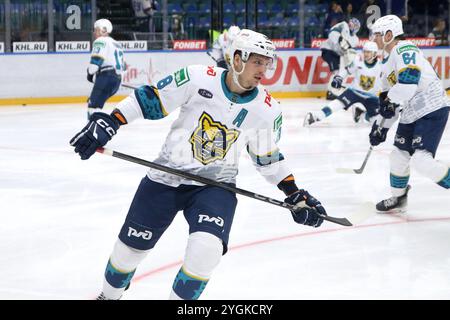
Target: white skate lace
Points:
(390, 202)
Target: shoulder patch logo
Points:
(211, 140)
(181, 77)
(392, 79)
(205, 93)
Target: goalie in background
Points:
(338, 50)
(362, 95)
(219, 51)
(106, 66)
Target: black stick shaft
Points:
(186, 175)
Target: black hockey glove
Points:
(377, 134)
(306, 208)
(387, 108)
(100, 129)
(337, 82)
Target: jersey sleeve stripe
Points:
(150, 103)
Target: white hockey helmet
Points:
(104, 25)
(370, 46)
(248, 42)
(388, 23)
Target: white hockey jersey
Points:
(412, 82)
(213, 127)
(340, 29)
(107, 54)
(366, 77)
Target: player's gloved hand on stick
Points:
(387, 108)
(343, 43)
(90, 77)
(377, 134)
(100, 129)
(306, 208)
(337, 82)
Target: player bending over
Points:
(338, 50)
(222, 113)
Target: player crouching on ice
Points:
(413, 92)
(222, 113)
(363, 93)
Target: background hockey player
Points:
(222, 113)
(106, 66)
(219, 51)
(338, 50)
(413, 92)
(362, 95)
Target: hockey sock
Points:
(187, 286)
(445, 182)
(326, 112)
(399, 182)
(117, 278)
(426, 165)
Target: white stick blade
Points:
(364, 212)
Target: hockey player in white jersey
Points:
(413, 92)
(362, 95)
(221, 114)
(338, 50)
(219, 51)
(106, 66)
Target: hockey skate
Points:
(331, 96)
(309, 119)
(394, 204)
(357, 112)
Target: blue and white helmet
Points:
(354, 25)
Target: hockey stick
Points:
(186, 175)
(209, 54)
(366, 159)
(129, 86)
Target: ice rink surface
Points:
(60, 216)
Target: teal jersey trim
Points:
(266, 159)
(237, 98)
(98, 61)
(150, 103)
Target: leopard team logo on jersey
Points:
(392, 79)
(211, 140)
(366, 82)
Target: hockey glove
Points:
(100, 129)
(377, 134)
(344, 43)
(337, 82)
(90, 77)
(387, 108)
(306, 208)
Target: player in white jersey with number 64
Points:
(412, 91)
(222, 113)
